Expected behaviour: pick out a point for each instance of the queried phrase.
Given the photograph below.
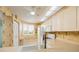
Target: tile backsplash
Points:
(71, 36)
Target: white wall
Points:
(15, 34)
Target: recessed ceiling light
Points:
(32, 13)
(43, 19)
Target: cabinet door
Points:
(77, 18)
(59, 21)
(69, 19)
(49, 25)
(54, 23)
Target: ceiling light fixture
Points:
(32, 13)
(52, 9)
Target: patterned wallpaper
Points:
(7, 40)
(7, 31)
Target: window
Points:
(28, 29)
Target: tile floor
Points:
(59, 46)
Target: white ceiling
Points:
(24, 12)
(41, 12)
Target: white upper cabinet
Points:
(64, 20)
(54, 23)
(57, 21)
(60, 20)
(48, 25)
(69, 19)
(77, 18)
